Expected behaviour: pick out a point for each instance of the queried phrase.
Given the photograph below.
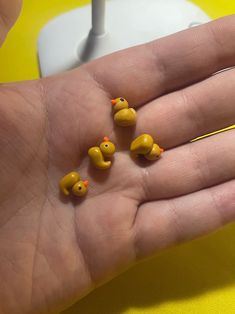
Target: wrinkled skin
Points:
(54, 250)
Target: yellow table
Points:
(18, 59)
(196, 278)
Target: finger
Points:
(148, 71)
(194, 111)
(9, 11)
(191, 167)
(164, 223)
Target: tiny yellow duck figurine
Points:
(144, 145)
(97, 154)
(72, 181)
(124, 116)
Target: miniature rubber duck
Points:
(123, 115)
(144, 145)
(98, 154)
(72, 181)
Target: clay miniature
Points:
(144, 145)
(72, 182)
(123, 115)
(98, 154)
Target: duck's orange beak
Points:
(86, 183)
(161, 150)
(106, 139)
(113, 102)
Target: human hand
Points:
(9, 11)
(55, 251)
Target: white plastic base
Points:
(64, 42)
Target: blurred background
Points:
(195, 278)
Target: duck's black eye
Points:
(80, 188)
(122, 99)
(106, 145)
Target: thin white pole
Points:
(98, 17)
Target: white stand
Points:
(71, 39)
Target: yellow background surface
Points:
(195, 278)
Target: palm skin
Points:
(55, 250)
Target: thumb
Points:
(9, 11)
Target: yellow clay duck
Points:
(144, 145)
(72, 181)
(98, 154)
(123, 115)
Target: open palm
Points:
(59, 249)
